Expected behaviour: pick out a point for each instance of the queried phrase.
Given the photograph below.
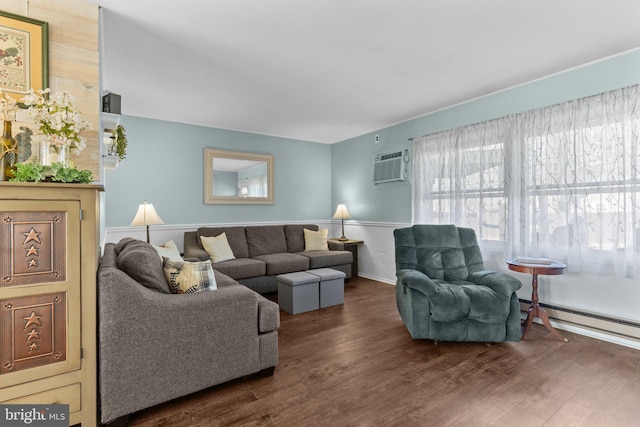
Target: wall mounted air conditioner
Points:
(388, 167)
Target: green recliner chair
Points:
(444, 293)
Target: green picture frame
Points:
(24, 55)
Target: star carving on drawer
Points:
(32, 263)
(32, 251)
(33, 319)
(32, 235)
(34, 331)
(33, 335)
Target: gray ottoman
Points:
(298, 292)
(331, 286)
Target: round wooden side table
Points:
(548, 268)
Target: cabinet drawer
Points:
(69, 394)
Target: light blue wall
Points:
(164, 160)
(164, 165)
(352, 160)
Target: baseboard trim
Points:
(376, 278)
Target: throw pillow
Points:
(187, 277)
(140, 261)
(217, 247)
(169, 250)
(316, 240)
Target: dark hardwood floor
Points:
(356, 365)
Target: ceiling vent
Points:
(389, 167)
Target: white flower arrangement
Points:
(8, 107)
(58, 119)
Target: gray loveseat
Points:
(155, 346)
(264, 251)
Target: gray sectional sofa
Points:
(155, 346)
(264, 251)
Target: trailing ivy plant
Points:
(35, 172)
(121, 142)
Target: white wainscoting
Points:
(376, 257)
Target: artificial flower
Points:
(57, 118)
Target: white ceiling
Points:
(330, 70)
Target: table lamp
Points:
(146, 216)
(342, 213)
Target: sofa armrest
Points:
(335, 246)
(268, 315)
(191, 248)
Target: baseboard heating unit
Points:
(615, 330)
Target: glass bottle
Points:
(8, 153)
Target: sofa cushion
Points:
(217, 247)
(281, 263)
(265, 239)
(186, 277)
(321, 259)
(241, 268)
(141, 262)
(169, 250)
(235, 236)
(295, 236)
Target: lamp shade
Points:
(341, 212)
(146, 215)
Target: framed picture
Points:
(23, 54)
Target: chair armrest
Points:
(192, 249)
(500, 283)
(418, 281)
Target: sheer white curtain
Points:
(561, 181)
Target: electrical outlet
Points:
(383, 258)
(376, 138)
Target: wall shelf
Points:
(109, 123)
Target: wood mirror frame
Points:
(236, 162)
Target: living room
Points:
(343, 173)
(163, 166)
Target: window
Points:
(561, 181)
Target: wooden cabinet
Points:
(48, 262)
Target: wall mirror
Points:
(232, 177)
